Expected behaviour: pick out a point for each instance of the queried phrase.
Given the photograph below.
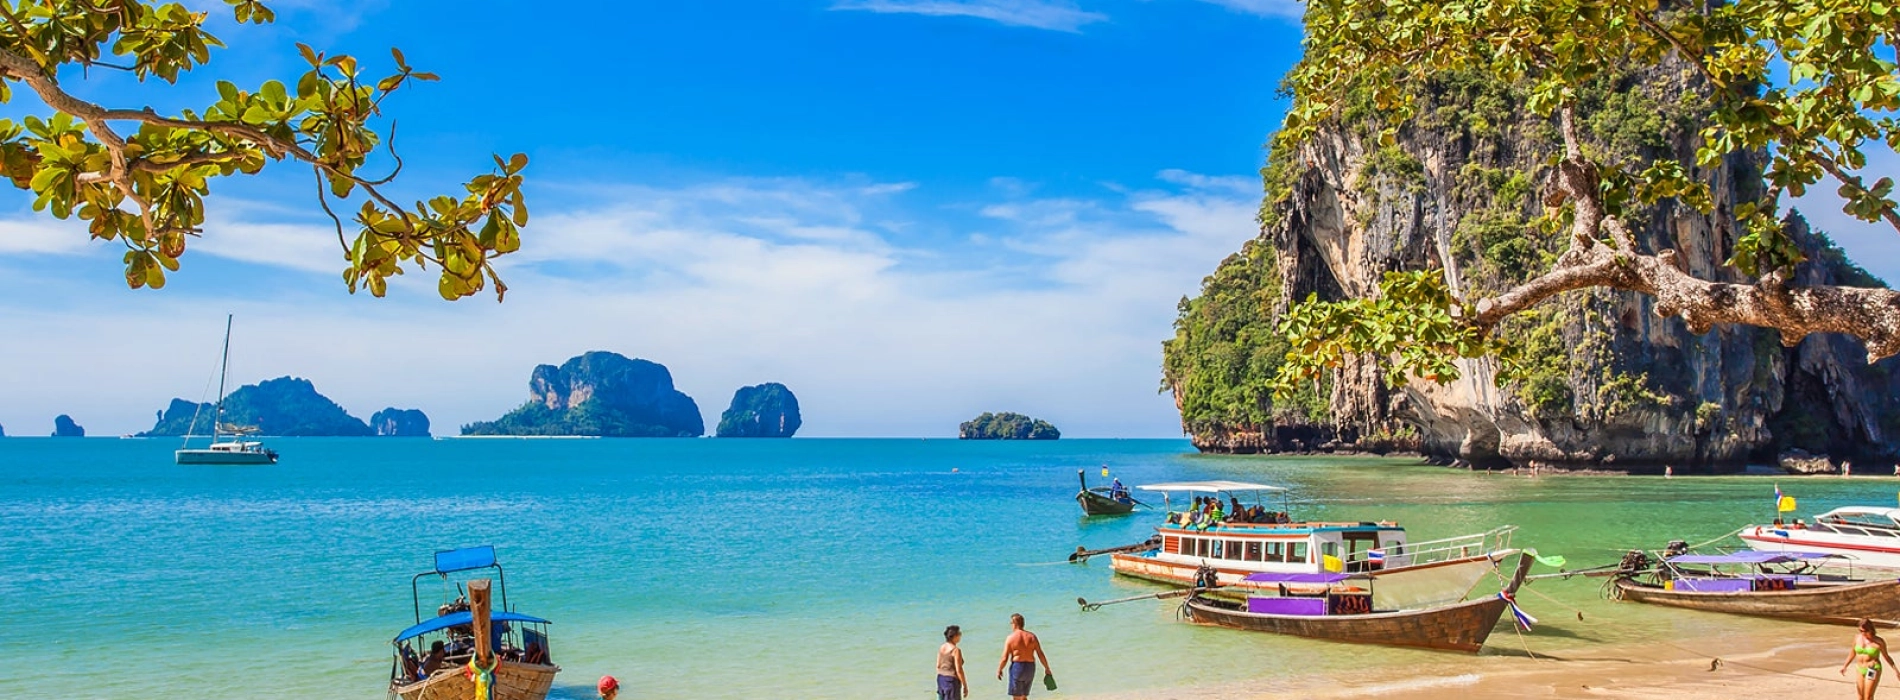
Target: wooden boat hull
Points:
(1843, 603)
(513, 681)
(1404, 588)
(1461, 627)
(1097, 504)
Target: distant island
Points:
(764, 410)
(398, 422)
(1007, 426)
(600, 394)
(285, 406)
(63, 426)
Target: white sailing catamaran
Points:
(233, 451)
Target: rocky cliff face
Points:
(398, 422)
(1609, 384)
(601, 394)
(63, 426)
(764, 410)
(285, 406)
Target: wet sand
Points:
(1802, 662)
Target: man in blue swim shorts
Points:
(1020, 653)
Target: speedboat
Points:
(1869, 536)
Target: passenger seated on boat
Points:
(1798, 525)
(411, 666)
(438, 655)
(535, 654)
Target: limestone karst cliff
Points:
(764, 410)
(1609, 384)
(600, 394)
(398, 422)
(63, 426)
(285, 406)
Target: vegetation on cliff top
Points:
(1006, 426)
(764, 410)
(141, 176)
(285, 406)
(1835, 94)
(600, 394)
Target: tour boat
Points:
(1102, 500)
(233, 451)
(1344, 607)
(1868, 536)
(1748, 583)
(476, 636)
(1410, 574)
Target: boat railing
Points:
(1447, 549)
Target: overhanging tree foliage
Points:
(141, 177)
(1803, 80)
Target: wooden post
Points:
(478, 606)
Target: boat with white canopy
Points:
(1237, 545)
(1807, 586)
(1867, 535)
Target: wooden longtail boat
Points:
(512, 645)
(1410, 574)
(1456, 627)
(1101, 500)
(1761, 593)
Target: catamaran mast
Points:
(224, 363)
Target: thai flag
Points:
(1376, 555)
(1777, 496)
(1523, 619)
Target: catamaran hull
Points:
(1459, 627)
(513, 681)
(223, 457)
(1846, 603)
(1881, 553)
(1403, 588)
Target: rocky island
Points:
(601, 394)
(1606, 382)
(764, 410)
(397, 422)
(285, 406)
(63, 426)
(1006, 426)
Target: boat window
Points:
(1215, 549)
(1171, 544)
(1296, 551)
(1330, 549)
(1200, 547)
(1234, 549)
(1253, 551)
(1276, 552)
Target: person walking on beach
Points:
(1020, 653)
(1869, 651)
(951, 684)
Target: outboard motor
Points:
(1633, 562)
(1206, 577)
(1675, 548)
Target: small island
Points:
(63, 426)
(764, 410)
(600, 394)
(399, 422)
(1007, 426)
(285, 406)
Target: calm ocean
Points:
(728, 568)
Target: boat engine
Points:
(1206, 577)
(1675, 548)
(1633, 562)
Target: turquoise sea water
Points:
(728, 568)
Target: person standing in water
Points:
(1869, 651)
(1020, 653)
(608, 687)
(951, 684)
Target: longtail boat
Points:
(1801, 589)
(505, 650)
(1102, 500)
(1410, 574)
(1340, 607)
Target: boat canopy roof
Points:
(1208, 486)
(1888, 513)
(1747, 557)
(463, 618)
(1271, 577)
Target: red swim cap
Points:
(608, 683)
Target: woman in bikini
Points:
(1869, 651)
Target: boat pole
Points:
(1089, 607)
(479, 602)
(224, 365)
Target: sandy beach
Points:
(1802, 663)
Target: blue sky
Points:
(909, 211)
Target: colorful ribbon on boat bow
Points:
(1523, 619)
(484, 679)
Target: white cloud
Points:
(882, 316)
(43, 235)
(1875, 246)
(1058, 15)
(1283, 9)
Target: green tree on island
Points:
(141, 177)
(1006, 426)
(1798, 80)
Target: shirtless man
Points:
(1020, 653)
